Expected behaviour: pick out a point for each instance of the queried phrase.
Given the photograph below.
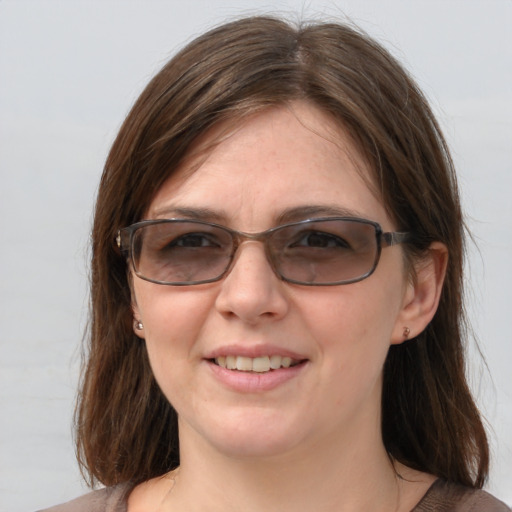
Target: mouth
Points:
(263, 364)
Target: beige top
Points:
(441, 497)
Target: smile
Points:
(255, 364)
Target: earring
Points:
(138, 325)
(406, 332)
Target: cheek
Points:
(172, 318)
(353, 325)
(352, 314)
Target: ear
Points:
(422, 294)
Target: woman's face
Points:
(275, 165)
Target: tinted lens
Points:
(181, 252)
(318, 252)
(324, 252)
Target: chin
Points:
(252, 434)
(254, 446)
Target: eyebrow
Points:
(204, 214)
(292, 214)
(323, 210)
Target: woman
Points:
(277, 252)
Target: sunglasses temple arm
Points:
(395, 238)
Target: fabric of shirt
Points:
(441, 497)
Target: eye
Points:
(194, 240)
(320, 240)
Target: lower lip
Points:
(254, 382)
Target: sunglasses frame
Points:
(125, 238)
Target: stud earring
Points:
(138, 325)
(406, 332)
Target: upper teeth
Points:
(254, 364)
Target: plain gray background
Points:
(69, 71)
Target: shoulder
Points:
(451, 497)
(109, 499)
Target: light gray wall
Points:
(70, 70)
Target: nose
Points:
(251, 291)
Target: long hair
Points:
(126, 429)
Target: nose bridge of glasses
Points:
(267, 238)
(242, 237)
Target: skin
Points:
(312, 442)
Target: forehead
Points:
(282, 158)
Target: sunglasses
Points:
(313, 252)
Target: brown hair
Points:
(126, 429)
